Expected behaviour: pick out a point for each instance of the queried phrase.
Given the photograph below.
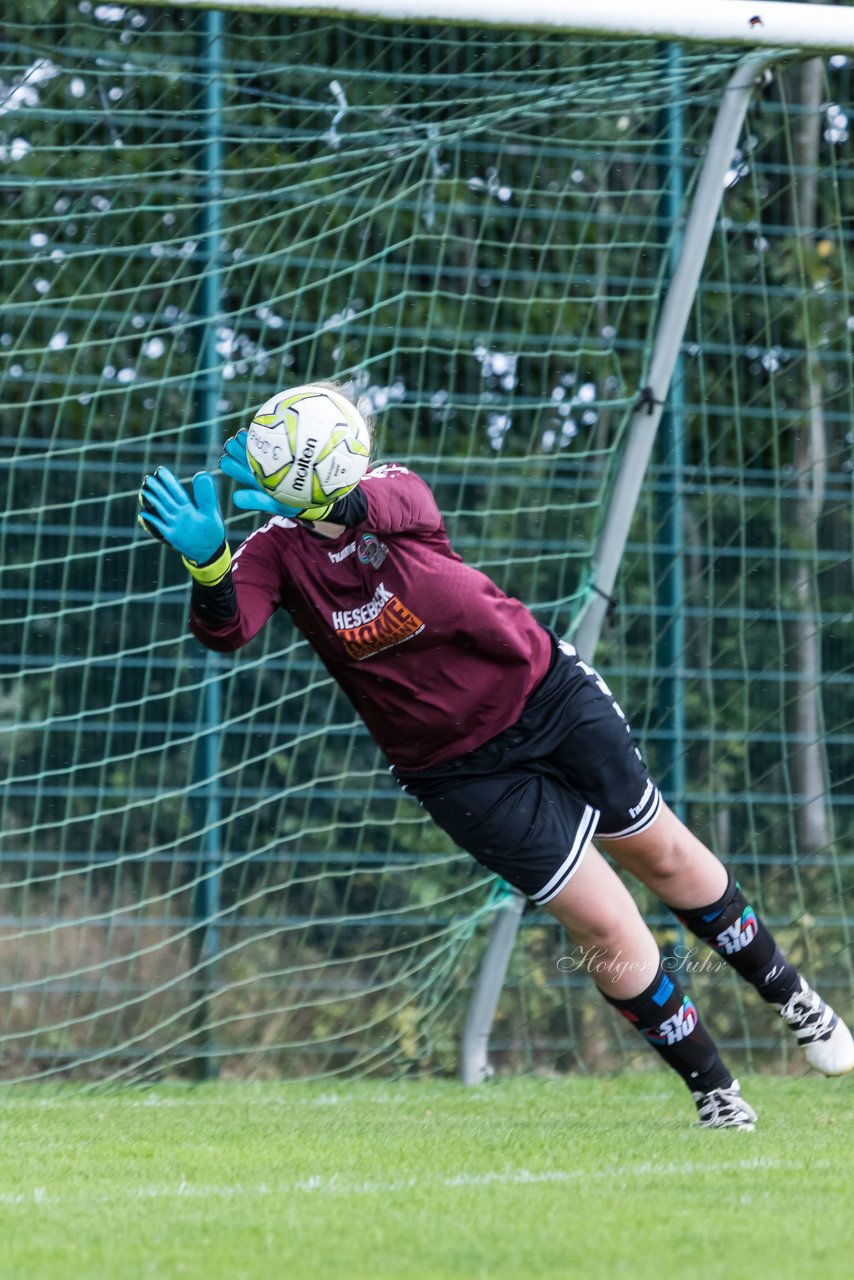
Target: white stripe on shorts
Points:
(637, 827)
(572, 861)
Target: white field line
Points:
(474, 1096)
(256, 1100)
(333, 1184)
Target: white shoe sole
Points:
(833, 1057)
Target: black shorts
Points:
(527, 803)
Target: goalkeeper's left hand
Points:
(192, 525)
(251, 496)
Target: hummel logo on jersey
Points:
(371, 551)
(738, 935)
(337, 556)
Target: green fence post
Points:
(207, 896)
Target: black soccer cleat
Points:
(724, 1109)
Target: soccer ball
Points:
(308, 446)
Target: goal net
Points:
(204, 863)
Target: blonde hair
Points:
(348, 391)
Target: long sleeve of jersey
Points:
(227, 616)
(216, 612)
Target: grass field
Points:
(426, 1180)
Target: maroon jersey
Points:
(433, 656)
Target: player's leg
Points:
(599, 758)
(534, 831)
(687, 876)
(622, 957)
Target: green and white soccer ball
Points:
(308, 446)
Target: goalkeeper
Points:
(513, 744)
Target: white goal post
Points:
(801, 27)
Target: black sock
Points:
(668, 1020)
(737, 933)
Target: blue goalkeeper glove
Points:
(191, 525)
(251, 496)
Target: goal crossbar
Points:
(734, 22)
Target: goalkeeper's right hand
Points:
(192, 525)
